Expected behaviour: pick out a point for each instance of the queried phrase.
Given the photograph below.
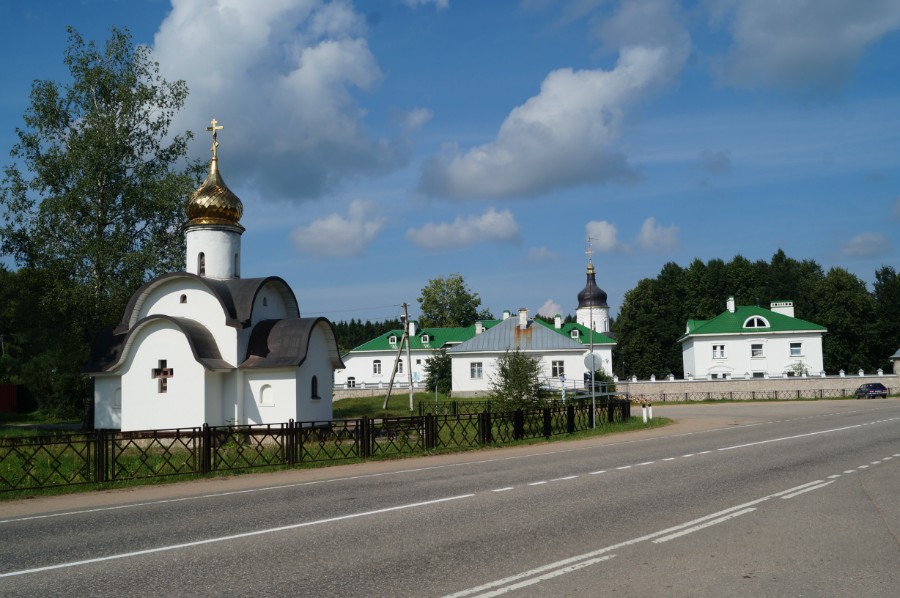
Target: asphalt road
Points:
(757, 499)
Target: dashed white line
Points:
(624, 467)
(834, 477)
(645, 463)
(502, 489)
(863, 467)
(849, 471)
(669, 459)
(537, 483)
(568, 477)
(688, 455)
(545, 576)
(597, 472)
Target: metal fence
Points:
(35, 462)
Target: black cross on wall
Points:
(162, 375)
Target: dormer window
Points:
(392, 339)
(425, 339)
(574, 334)
(756, 322)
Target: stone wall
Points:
(698, 390)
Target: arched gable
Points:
(217, 289)
(203, 345)
(280, 343)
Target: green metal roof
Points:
(733, 323)
(437, 338)
(584, 333)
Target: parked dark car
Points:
(872, 390)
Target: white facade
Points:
(473, 372)
(372, 369)
(752, 342)
(753, 355)
(213, 251)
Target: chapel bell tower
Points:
(213, 232)
(593, 311)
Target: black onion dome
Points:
(591, 295)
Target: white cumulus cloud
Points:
(279, 75)
(653, 236)
(541, 254)
(340, 236)
(492, 226)
(866, 245)
(806, 45)
(550, 308)
(604, 236)
(567, 134)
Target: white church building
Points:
(752, 342)
(207, 346)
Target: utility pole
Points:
(404, 338)
(590, 253)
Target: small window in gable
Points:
(756, 322)
(392, 339)
(574, 334)
(183, 299)
(425, 338)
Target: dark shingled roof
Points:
(280, 343)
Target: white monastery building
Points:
(207, 346)
(752, 342)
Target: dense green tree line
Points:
(353, 333)
(863, 326)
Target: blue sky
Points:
(379, 144)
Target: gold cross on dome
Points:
(214, 128)
(590, 250)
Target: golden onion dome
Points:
(214, 202)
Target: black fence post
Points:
(429, 426)
(548, 422)
(99, 466)
(290, 443)
(518, 424)
(570, 419)
(205, 449)
(365, 439)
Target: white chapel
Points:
(207, 346)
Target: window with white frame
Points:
(557, 368)
(756, 322)
(426, 339)
(476, 370)
(574, 333)
(718, 351)
(756, 350)
(351, 382)
(796, 349)
(392, 339)
(759, 374)
(376, 367)
(400, 367)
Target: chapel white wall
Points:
(221, 247)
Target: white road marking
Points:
(810, 489)
(850, 471)
(597, 472)
(688, 455)
(259, 532)
(669, 459)
(863, 467)
(624, 467)
(834, 477)
(874, 462)
(645, 463)
(502, 489)
(695, 528)
(568, 477)
(546, 576)
(537, 483)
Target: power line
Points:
(338, 311)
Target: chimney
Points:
(412, 328)
(785, 308)
(557, 322)
(479, 327)
(523, 318)
(730, 304)
(505, 314)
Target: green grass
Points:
(398, 406)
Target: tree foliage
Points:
(862, 326)
(448, 302)
(93, 202)
(439, 372)
(517, 382)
